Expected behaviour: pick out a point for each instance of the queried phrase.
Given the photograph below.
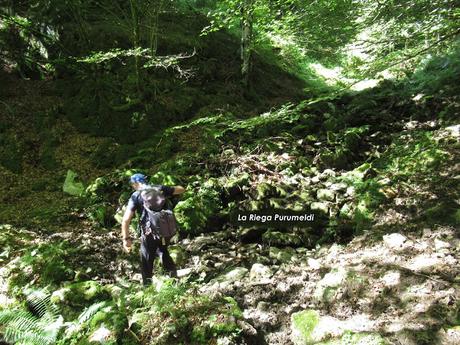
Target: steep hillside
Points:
(378, 267)
(91, 94)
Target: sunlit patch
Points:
(102, 334)
(391, 278)
(365, 84)
(331, 75)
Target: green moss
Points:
(304, 323)
(83, 292)
(282, 255)
(350, 338)
(278, 238)
(263, 190)
(197, 206)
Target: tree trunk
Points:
(154, 10)
(136, 45)
(247, 12)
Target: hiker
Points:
(152, 243)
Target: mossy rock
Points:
(325, 195)
(264, 190)
(278, 238)
(234, 184)
(283, 255)
(198, 206)
(110, 318)
(443, 213)
(235, 274)
(337, 158)
(309, 328)
(303, 324)
(350, 338)
(322, 207)
(81, 293)
(178, 254)
(138, 319)
(327, 287)
(347, 211)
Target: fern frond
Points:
(39, 303)
(39, 325)
(19, 326)
(89, 312)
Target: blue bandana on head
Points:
(138, 178)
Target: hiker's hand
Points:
(127, 244)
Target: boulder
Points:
(178, 254)
(260, 273)
(81, 293)
(327, 287)
(251, 235)
(303, 324)
(102, 335)
(394, 241)
(391, 278)
(438, 244)
(233, 275)
(283, 255)
(449, 336)
(279, 238)
(340, 186)
(325, 194)
(347, 211)
(308, 327)
(327, 173)
(313, 264)
(320, 206)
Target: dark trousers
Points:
(151, 248)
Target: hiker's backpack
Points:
(158, 220)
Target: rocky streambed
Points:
(397, 290)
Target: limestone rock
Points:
(438, 244)
(351, 191)
(234, 275)
(282, 239)
(315, 179)
(260, 273)
(340, 186)
(450, 336)
(320, 206)
(346, 211)
(454, 131)
(308, 327)
(325, 195)
(313, 263)
(394, 241)
(178, 254)
(391, 278)
(327, 287)
(283, 255)
(327, 173)
(303, 324)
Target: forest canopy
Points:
(361, 37)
